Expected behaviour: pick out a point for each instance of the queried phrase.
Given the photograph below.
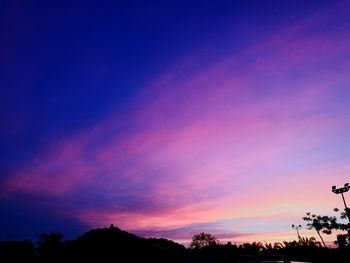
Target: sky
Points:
(170, 118)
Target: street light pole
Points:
(342, 195)
(341, 191)
(297, 229)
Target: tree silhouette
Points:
(17, 251)
(343, 215)
(112, 244)
(324, 224)
(201, 240)
(309, 242)
(50, 246)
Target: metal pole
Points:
(297, 229)
(342, 190)
(346, 208)
(298, 233)
(344, 201)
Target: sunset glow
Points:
(238, 141)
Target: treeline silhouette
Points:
(115, 245)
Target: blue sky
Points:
(156, 116)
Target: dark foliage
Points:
(202, 240)
(115, 245)
(17, 251)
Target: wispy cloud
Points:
(204, 144)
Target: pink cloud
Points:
(224, 142)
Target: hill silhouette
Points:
(97, 245)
